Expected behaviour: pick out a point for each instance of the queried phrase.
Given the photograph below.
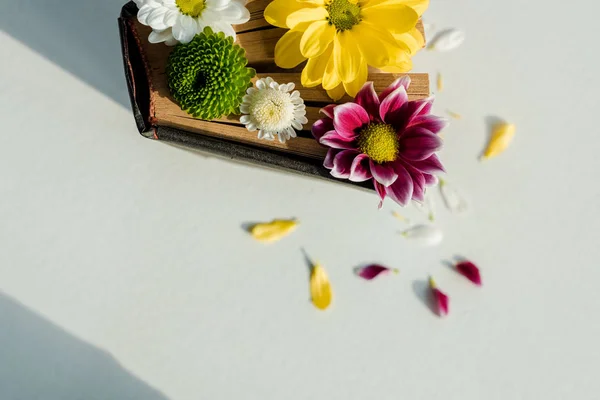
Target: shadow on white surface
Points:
(39, 360)
(80, 36)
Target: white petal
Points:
(448, 40)
(426, 235)
(245, 109)
(172, 41)
(144, 12)
(226, 28)
(245, 119)
(157, 17)
(217, 4)
(302, 119)
(452, 199)
(160, 36)
(251, 127)
(297, 125)
(260, 84)
(171, 17)
(234, 13)
(185, 28)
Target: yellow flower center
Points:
(343, 14)
(193, 8)
(379, 142)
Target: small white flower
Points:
(174, 21)
(271, 109)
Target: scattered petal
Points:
(427, 235)
(469, 271)
(452, 199)
(502, 136)
(374, 270)
(448, 40)
(440, 300)
(400, 217)
(427, 207)
(274, 230)
(453, 114)
(440, 82)
(320, 288)
(429, 30)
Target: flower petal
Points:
(321, 127)
(418, 183)
(277, 11)
(320, 287)
(448, 40)
(348, 118)
(439, 298)
(430, 179)
(417, 144)
(367, 98)
(316, 38)
(402, 81)
(305, 16)
(342, 163)
(381, 191)
(391, 107)
(402, 190)
(287, 50)
(328, 110)
(469, 271)
(430, 165)
(502, 136)
(312, 74)
(335, 141)
(337, 92)
(394, 18)
(328, 162)
(274, 230)
(372, 271)
(360, 171)
(453, 200)
(353, 87)
(426, 235)
(347, 56)
(383, 173)
(377, 53)
(432, 123)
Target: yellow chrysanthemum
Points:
(342, 38)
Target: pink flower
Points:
(469, 271)
(440, 299)
(386, 138)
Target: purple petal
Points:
(402, 190)
(430, 179)
(367, 98)
(469, 271)
(418, 181)
(383, 173)
(372, 271)
(328, 162)
(430, 165)
(432, 123)
(359, 171)
(328, 110)
(334, 140)
(402, 81)
(321, 127)
(418, 144)
(391, 109)
(342, 162)
(349, 118)
(381, 191)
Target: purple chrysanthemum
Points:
(385, 138)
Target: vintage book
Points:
(158, 116)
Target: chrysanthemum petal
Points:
(502, 136)
(469, 271)
(287, 50)
(439, 299)
(381, 192)
(347, 56)
(348, 118)
(329, 157)
(305, 16)
(418, 144)
(342, 163)
(412, 39)
(394, 18)
(312, 74)
(337, 92)
(360, 171)
(402, 81)
(432, 123)
(328, 110)
(368, 99)
(424, 234)
(335, 141)
(274, 230)
(402, 189)
(277, 11)
(354, 86)
(390, 110)
(321, 127)
(430, 165)
(372, 271)
(185, 29)
(320, 287)
(418, 182)
(383, 173)
(377, 52)
(316, 38)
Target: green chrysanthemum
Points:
(208, 76)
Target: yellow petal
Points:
(305, 16)
(376, 45)
(316, 38)
(277, 11)
(413, 40)
(320, 288)
(287, 50)
(453, 114)
(347, 56)
(440, 82)
(274, 230)
(312, 74)
(337, 92)
(420, 6)
(353, 87)
(502, 136)
(396, 18)
(331, 79)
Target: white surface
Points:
(134, 248)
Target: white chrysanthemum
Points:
(271, 109)
(175, 21)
